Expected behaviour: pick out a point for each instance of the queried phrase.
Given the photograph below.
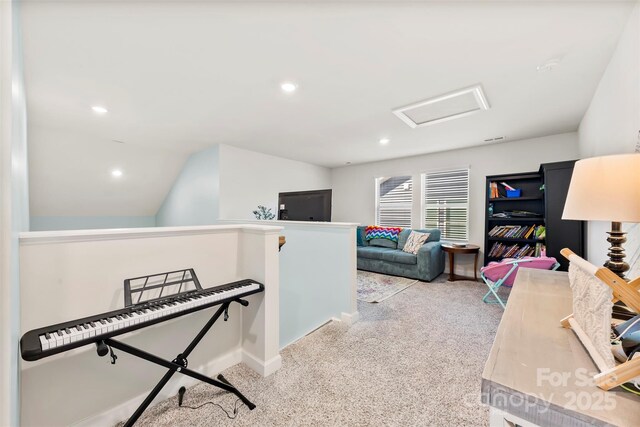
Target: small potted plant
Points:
(263, 213)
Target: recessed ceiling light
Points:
(548, 65)
(99, 110)
(117, 173)
(288, 87)
(384, 141)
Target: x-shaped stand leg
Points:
(179, 365)
(492, 290)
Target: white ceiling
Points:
(179, 77)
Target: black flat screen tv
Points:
(305, 206)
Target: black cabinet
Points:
(560, 233)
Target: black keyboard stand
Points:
(179, 364)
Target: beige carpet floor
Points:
(415, 359)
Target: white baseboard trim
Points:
(123, 411)
(350, 318)
(263, 368)
(347, 318)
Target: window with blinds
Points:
(446, 203)
(394, 201)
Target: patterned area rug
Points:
(374, 287)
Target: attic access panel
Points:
(452, 105)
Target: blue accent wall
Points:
(49, 223)
(194, 197)
(316, 266)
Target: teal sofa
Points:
(389, 258)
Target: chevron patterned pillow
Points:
(377, 232)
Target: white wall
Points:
(229, 183)
(249, 179)
(611, 125)
(353, 186)
(194, 196)
(612, 121)
(46, 223)
(14, 204)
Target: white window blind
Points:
(394, 201)
(446, 203)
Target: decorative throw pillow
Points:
(415, 242)
(376, 232)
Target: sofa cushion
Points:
(383, 243)
(372, 252)
(400, 257)
(402, 237)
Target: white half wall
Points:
(14, 204)
(249, 179)
(354, 186)
(70, 275)
(611, 125)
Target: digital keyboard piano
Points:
(145, 305)
(54, 339)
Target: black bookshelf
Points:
(531, 199)
(544, 193)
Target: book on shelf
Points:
(494, 191)
(530, 232)
(501, 250)
(518, 231)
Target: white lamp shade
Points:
(605, 189)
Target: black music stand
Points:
(156, 285)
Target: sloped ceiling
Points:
(70, 175)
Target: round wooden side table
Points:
(468, 249)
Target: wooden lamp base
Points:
(616, 252)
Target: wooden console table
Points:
(538, 373)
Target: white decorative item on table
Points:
(591, 319)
